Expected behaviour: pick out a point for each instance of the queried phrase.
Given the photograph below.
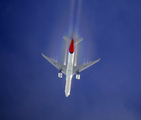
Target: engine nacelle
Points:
(78, 76)
(60, 75)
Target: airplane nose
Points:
(67, 94)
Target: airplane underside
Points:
(69, 70)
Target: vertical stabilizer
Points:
(71, 49)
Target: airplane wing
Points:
(59, 66)
(77, 69)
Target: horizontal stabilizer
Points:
(78, 40)
(67, 39)
(75, 41)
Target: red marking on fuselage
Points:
(71, 49)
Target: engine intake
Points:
(60, 75)
(78, 76)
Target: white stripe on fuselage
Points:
(69, 74)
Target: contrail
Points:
(77, 16)
(72, 17)
(66, 51)
(75, 11)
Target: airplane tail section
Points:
(78, 40)
(75, 41)
(67, 39)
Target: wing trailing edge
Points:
(59, 66)
(77, 69)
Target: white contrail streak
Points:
(66, 51)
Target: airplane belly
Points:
(68, 85)
(69, 74)
(69, 70)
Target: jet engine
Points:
(60, 74)
(78, 76)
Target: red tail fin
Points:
(71, 49)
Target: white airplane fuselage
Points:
(69, 74)
(69, 70)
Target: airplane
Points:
(69, 70)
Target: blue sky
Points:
(29, 85)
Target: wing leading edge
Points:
(77, 69)
(59, 66)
